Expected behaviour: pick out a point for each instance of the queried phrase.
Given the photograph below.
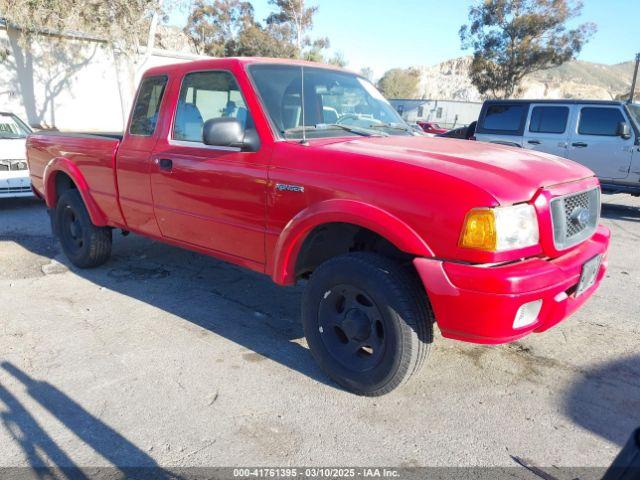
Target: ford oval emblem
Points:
(580, 216)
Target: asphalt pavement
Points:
(164, 357)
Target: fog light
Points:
(527, 314)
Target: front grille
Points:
(575, 217)
(13, 165)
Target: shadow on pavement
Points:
(606, 399)
(36, 443)
(182, 282)
(616, 211)
(22, 203)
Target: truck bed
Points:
(53, 133)
(93, 154)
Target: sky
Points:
(383, 34)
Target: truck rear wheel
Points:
(84, 244)
(367, 321)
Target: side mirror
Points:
(223, 132)
(623, 130)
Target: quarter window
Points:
(145, 113)
(207, 95)
(503, 118)
(600, 121)
(549, 119)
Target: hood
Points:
(13, 148)
(509, 174)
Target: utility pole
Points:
(635, 77)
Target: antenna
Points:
(635, 77)
(304, 130)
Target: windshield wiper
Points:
(393, 126)
(327, 126)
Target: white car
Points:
(14, 172)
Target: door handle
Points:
(534, 142)
(165, 164)
(579, 144)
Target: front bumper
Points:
(478, 304)
(15, 184)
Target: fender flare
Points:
(64, 165)
(341, 211)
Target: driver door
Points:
(206, 196)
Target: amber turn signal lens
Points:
(479, 230)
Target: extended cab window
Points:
(145, 112)
(600, 121)
(207, 95)
(504, 118)
(549, 119)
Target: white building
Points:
(447, 113)
(72, 82)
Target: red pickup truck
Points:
(305, 172)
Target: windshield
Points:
(12, 127)
(634, 110)
(335, 103)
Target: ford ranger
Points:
(305, 172)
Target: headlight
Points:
(501, 228)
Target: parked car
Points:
(431, 127)
(417, 128)
(466, 132)
(392, 231)
(602, 135)
(14, 174)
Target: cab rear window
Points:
(145, 112)
(504, 118)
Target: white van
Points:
(602, 135)
(14, 173)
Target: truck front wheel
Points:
(367, 321)
(84, 244)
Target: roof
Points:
(426, 100)
(559, 100)
(215, 61)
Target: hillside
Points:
(576, 79)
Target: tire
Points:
(84, 244)
(367, 321)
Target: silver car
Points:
(602, 135)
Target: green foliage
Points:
(512, 38)
(338, 60)
(295, 19)
(256, 41)
(4, 53)
(121, 22)
(215, 28)
(228, 28)
(367, 73)
(400, 83)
